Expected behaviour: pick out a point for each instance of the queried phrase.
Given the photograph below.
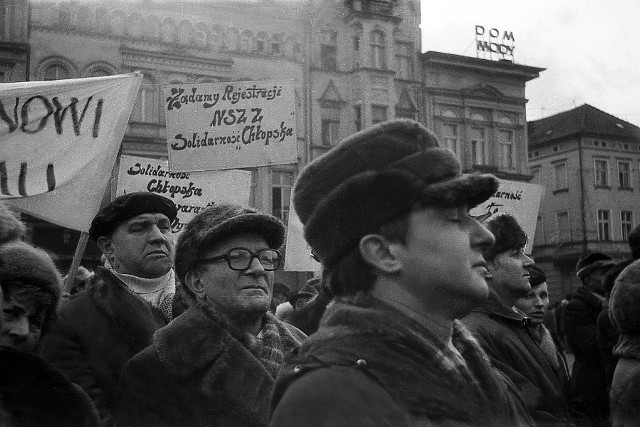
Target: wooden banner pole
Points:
(77, 258)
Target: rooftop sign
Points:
(492, 44)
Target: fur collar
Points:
(494, 306)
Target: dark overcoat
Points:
(97, 331)
(505, 336)
(200, 371)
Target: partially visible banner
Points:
(190, 191)
(298, 252)
(58, 144)
(217, 126)
(520, 199)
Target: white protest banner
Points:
(520, 199)
(216, 126)
(58, 144)
(190, 191)
(297, 255)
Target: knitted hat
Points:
(624, 305)
(374, 177)
(591, 262)
(634, 242)
(536, 276)
(127, 206)
(20, 262)
(507, 232)
(217, 223)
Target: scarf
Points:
(159, 291)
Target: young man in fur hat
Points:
(589, 399)
(387, 213)
(215, 365)
(133, 295)
(505, 334)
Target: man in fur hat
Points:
(505, 334)
(127, 300)
(215, 364)
(387, 213)
(588, 400)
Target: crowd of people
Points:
(423, 313)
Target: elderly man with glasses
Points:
(216, 363)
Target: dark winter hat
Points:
(20, 262)
(536, 276)
(374, 177)
(507, 232)
(11, 228)
(634, 242)
(591, 262)
(307, 291)
(624, 305)
(217, 223)
(127, 206)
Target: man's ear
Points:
(193, 280)
(378, 252)
(106, 245)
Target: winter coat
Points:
(200, 371)
(624, 310)
(371, 365)
(589, 397)
(512, 348)
(97, 331)
(34, 393)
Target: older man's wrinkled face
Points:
(141, 246)
(245, 292)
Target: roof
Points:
(584, 119)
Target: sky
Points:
(590, 48)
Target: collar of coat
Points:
(195, 339)
(405, 358)
(494, 306)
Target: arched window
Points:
(216, 39)
(378, 50)
(55, 71)
(185, 32)
(245, 41)
(169, 31)
(151, 27)
(233, 39)
(261, 42)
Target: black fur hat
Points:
(508, 233)
(217, 223)
(536, 276)
(624, 305)
(127, 206)
(374, 177)
(591, 262)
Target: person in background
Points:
(128, 299)
(505, 334)
(281, 293)
(624, 310)
(387, 213)
(304, 296)
(535, 306)
(216, 364)
(588, 400)
(307, 318)
(32, 392)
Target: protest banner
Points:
(217, 126)
(297, 255)
(190, 191)
(58, 144)
(520, 199)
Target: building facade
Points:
(589, 163)
(353, 63)
(14, 40)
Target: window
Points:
(56, 72)
(378, 114)
(560, 175)
(479, 149)
(564, 233)
(253, 189)
(329, 50)
(604, 225)
(330, 126)
(505, 145)
(626, 224)
(356, 51)
(450, 138)
(357, 110)
(601, 171)
(281, 183)
(146, 108)
(378, 50)
(404, 60)
(624, 174)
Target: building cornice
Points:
(175, 61)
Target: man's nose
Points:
(156, 233)
(256, 267)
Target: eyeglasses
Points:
(240, 259)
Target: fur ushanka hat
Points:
(624, 305)
(20, 262)
(375, 176)
(219, 222)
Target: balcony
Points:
(371, 9)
